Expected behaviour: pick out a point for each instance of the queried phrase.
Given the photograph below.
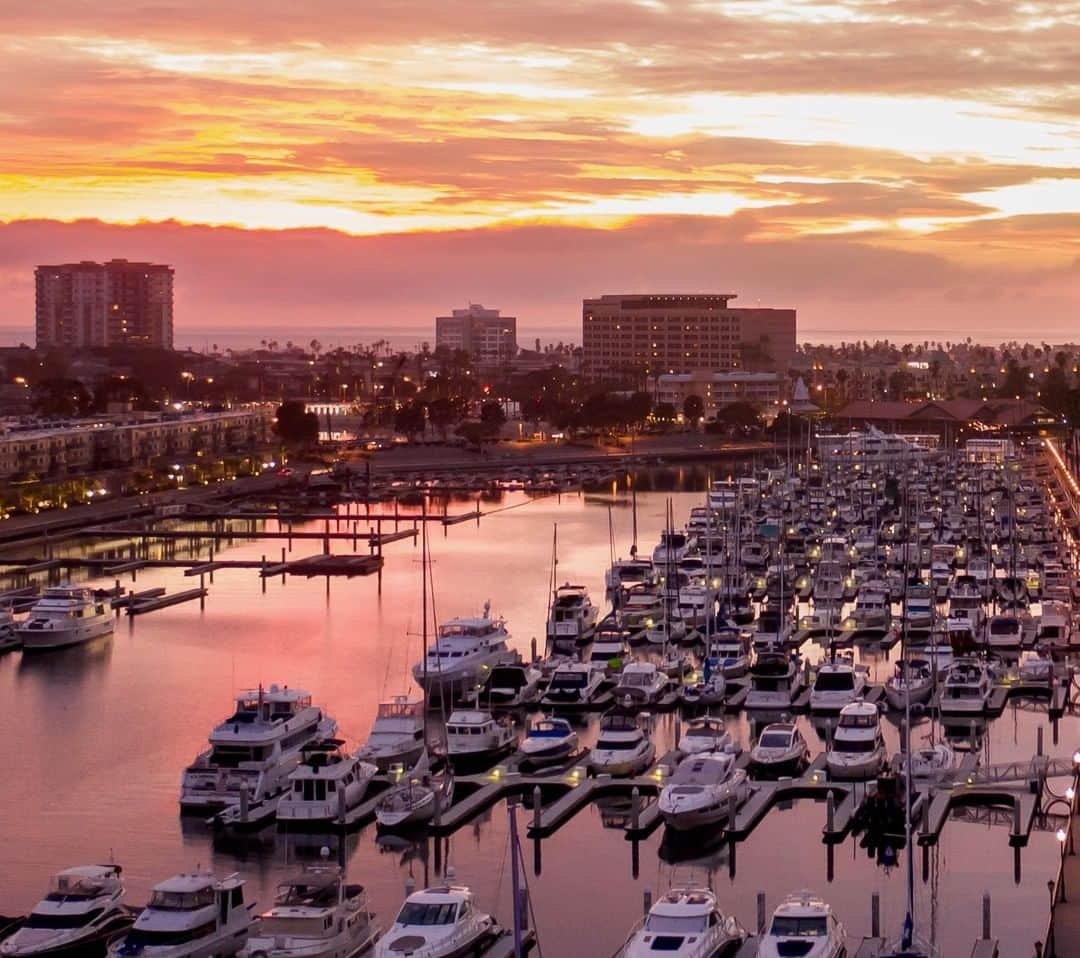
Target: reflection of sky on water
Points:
(98, 737)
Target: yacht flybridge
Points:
(686, 923)
(189, 916)
(803, 926)
(64, 616)
(397, 737)
(82, 908)
(465, 650)
(327, 786)
(254, 749)
(572, 618)
(315, 915)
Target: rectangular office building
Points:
(484, 334)
(117, 303)
(642, 335)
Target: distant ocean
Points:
(411, 337)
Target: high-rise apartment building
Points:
(117, 303)
(484, 334)
(651, 335)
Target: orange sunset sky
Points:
(878, 164)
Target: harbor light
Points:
(1076, 759)
(1070, 793)
(1062, 835)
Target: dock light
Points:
(1070, 793)
(814, 779)
(1062, 835)
(496, 772)
(970, 781)
(396, 771)
(1076, 759)
(657, 773)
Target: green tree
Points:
(295, 425)
(742, 414)
(1016, 381)
(443, 413)
(492, 417)
(693, 408)
(61, 397)
(665, 412)
(409, 419)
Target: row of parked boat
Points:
(318, 914)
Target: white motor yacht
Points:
(772, 632)
(609, 650)
(641, 684)
(804, 926)
(82, 909)
(626, 573)
(967, 687)
(672, 548)
(685, 923)
(189, 916)
(837, 683)
(705, 688)
(780, 749)
(707, 734)
(667, 629)
(919, 609)
(328, 786)
(510, 687)
(438, 923)
(858, 748)
(641, 609)
(701, 791)
(315, 915)
(397, 737)
(573, 685)
(547, 742)
(462, 654)
(1036, 666)
(63, 616)
(730, 647)
(573, 616)
(912, 678)
(1004, 632)
(775, 682)
(871, 616)
(256, 748)
(622, 748)
(1055, 626)
(475, 738)
(416, 800)
(933, 762)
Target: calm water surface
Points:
(95, 740)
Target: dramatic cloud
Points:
(821, 153)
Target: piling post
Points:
(537, 806)
(211, 561)
(986, 915)
(875, 915)
(533, 649)
(646, 901)
(971, 735)
(116, 592)
(830, 812)
(678, 730)
(326, 539)
(761, 917)
(283, 565)
(202, 591)
(1039, 741)
(244, 803)
(1016, 825)
(731, 810)
(262, 572)
(635, 809)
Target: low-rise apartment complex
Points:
(113, 442)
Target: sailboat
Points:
(424, 793)
(907, 946)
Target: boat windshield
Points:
(569, 680)
(181, 901)
(854, 745)
(788, 927)
(291, 927)
(60, 921)
(617, 744)
(835, 682)
(775, 740)
(677, 924)
(548, 730)
(418, 913)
